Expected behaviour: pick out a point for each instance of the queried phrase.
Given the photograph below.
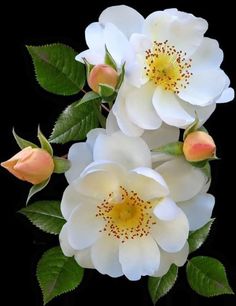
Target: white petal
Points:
(204, 87)
(167, 259)
(116, 43)
(79, 156)
(92, 56)
(98, 184)
(226, 96)
(123, 17)
(171, 235)
(70, 199)
(64, 242)
(84, 227)
(94, 36)
(139, 257)
(166, 210)
(180, 257)
(105, 256)
(140, 109)
(203, 112)
(183, 180)
(83, 258)
(140, 43)
(111, 124)
(198, 210)
(123, 120)
(92, 136)
(101, 165)
(182, 30)
(130, 152)
(157, 138)
(159, 158)
(147, 183)
(208, 56)
(164, 264)
(168, 107)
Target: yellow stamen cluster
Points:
(167, 67)
(127, 218)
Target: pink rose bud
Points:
(33, 165)
(102, 74)
(199, 146)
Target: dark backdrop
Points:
(24, 104)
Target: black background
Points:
(24, 104)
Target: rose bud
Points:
(102, 74)
(33, 165)
(199, 146)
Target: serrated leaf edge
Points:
(40, 283)
(29, 48)
(230, 291)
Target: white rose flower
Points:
(113, 145)
(123, 222)
(172, 70)
(108, 196)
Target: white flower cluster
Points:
(128, 209)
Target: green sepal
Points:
(173, 148)
(44, 142)
(22, 143)
(36, 188)
(194, 126)
(109, 59)
(61, 165)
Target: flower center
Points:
(126, 217)
(167, 67)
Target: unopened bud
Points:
(199, 146)
(33, 165)
(102, 74)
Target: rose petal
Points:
(139, 257)
(198, 210)
(105, 256)
(183, 180)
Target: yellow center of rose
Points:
(126, 216)
(167, 67)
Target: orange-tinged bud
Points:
(199, 146)
(33, 165)
(102, 74)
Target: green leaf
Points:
(173, 148)
(206, 276)
(90, 96)
(44, 142)
(56, 69)
(57, 274)
(61, 165)
(109, 59)
(36, 188)
(75, 122)
(22, 143)
(46, 215)
(160, 286)
(197, 238)
(106, 90)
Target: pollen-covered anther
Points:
(167, 67)
(126, 216)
